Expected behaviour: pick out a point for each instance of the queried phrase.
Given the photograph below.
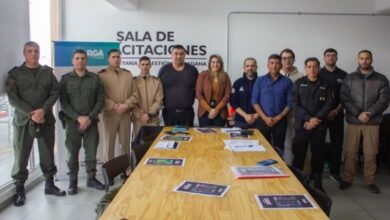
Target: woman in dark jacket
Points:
(213, 90)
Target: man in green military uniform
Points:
(82, 99)
(32, 90)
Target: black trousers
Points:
(183, 117)
(336, 133)
(275, 135)
(316, 138)
(204, 121)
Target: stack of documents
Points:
(243, 145)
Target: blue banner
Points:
(96, 51)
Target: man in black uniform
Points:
(179, 80)
(334, 76)
(312, 102)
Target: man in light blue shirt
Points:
(271, 99)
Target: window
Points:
(6, 149)
(40, 31)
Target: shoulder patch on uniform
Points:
(15, 67)
(65, 75)
(101, 71)
(126, 70)
(47, 67)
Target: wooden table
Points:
(147, 194)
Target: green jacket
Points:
(81, 96)
(28, 91)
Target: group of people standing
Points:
(291, 109)
(121, 98)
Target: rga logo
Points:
(96, 54)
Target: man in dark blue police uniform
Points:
(240, 98)
(312, 103)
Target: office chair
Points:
(137, 153)
(300, 175)
(279, 151)
(142, 143)
(115, 167)
(322, 199)
(147, 134)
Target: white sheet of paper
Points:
(243, 145)
(228, 130)
(169, 145)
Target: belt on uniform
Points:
(179, 110)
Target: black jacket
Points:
(361, 93)
(241, 96)
(334, 80)
(311, 99)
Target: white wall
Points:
(382, 6)
(40, 25)
(194, 22)
(308, 36)
(14, 26)
(201, 22)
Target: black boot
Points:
(318, 182)
(94, 183)
(20, 196)
(72, 187)
(51, 189)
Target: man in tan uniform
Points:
(151, 96)
(121, 97)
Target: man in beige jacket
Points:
(121, 98)
(291, 72)
(151, 96)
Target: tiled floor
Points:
(40, 207)
(353, 204)
(356, 203)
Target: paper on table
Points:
(288, 201)
(164, 161)
(169, 145)
(206, 130)
(243, 145)
(243, 172)
(228, 130)
(202, 188)
(175, 138)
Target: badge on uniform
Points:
(303, 85)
